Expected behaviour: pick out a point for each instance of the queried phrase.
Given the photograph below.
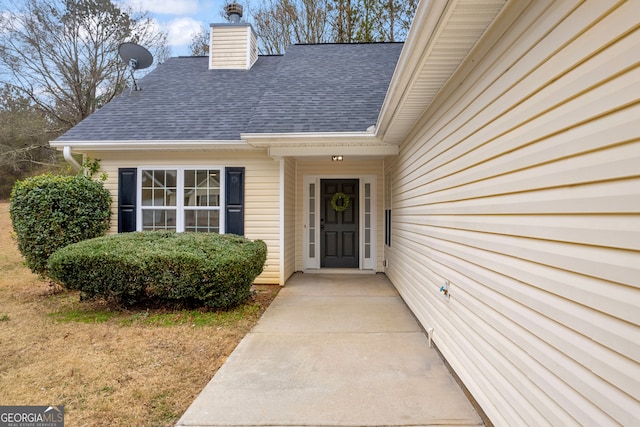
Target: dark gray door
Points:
(339, 229)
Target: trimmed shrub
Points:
(186, 269)
(49, 212)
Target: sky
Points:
(181, 18)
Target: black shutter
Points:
(234, 203)
(127, 192)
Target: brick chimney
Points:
(233, 45)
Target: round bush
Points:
(187, 269)
(49, 212)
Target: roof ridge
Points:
(345, 43)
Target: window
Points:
(368, 223)
(202, 200)
(159, 199)
(181, 200)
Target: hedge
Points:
(49, 212)
(141, 268)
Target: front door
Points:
(339, 223)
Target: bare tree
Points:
(396, 17)
(282, 22)
(200, 42)
(309, 20)
(370, 22)
(272, 22)
(24, 136)
(63, 54)
(344, 17)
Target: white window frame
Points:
(180, 207)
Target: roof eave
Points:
(354, 144)
(425, 21)
(155, 145)
(419, 78)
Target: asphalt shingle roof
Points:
(312, 88)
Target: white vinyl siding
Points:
(262, 202)
(232, 47)
(521, 186)
(288, 218)
(252, 54)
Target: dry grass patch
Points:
(109, 368)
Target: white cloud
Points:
(181, 30)
(167, 7)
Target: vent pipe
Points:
(234, 12)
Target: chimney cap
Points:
(234, 12)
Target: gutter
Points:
(66, 152)
(266, 140)
(154, 145)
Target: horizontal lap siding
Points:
(289, 223)
(230, 47)
(262, 186)
(522, 188)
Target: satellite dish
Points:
(136, 57)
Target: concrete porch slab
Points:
(352, 355)
(316, 314)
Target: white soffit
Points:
(461, 24)
(355, 144)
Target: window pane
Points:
(202, 178)
(147, 197)
(171, 178)
(170, 198)
(214, 178)
(158, 219)
(202, 187)
(158, 197)
(158, 188)
(158, 178)
(189, 179)
(147, 180)
(200, 220)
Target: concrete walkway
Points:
(333, 350)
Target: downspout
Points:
(66, 152)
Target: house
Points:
(489, 166)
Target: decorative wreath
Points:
(345, 202)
